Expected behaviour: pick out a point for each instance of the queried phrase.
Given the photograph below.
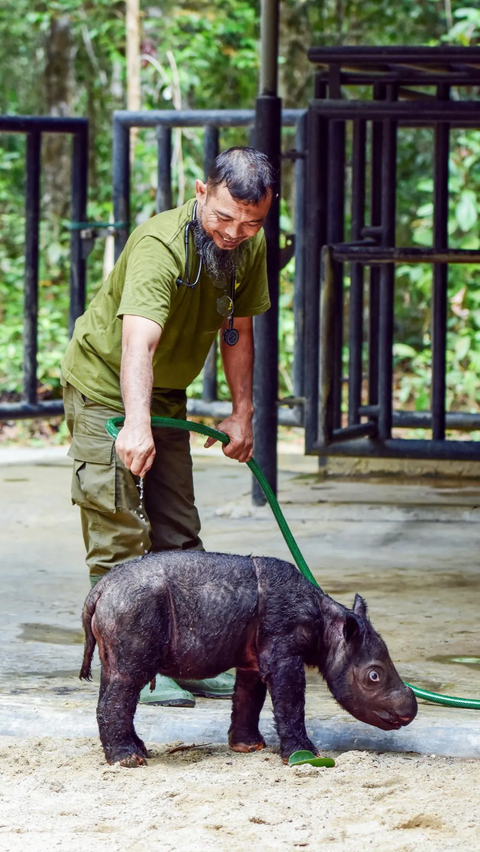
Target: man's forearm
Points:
(136, 382)
(238, 366)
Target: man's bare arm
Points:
(238, 366)
(134, 445)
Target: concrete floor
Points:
(411, 548)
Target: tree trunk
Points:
(58, 91)
(134, 97)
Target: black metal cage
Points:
(409, 87)
(33, 127)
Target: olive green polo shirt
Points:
(144, 283)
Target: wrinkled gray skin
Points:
(193, 615)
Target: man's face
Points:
(227, 221)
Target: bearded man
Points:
(183, 275)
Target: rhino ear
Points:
(360, 606)
(351, 628)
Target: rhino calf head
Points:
(358, 669)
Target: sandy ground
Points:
(60, 794)
(412, 552)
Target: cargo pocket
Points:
(93, 480)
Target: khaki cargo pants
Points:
(115, 525)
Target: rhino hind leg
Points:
(248, 700)
(115, 713)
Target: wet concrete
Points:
(410, 547)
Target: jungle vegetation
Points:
(68, 57)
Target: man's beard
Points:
(220, 264)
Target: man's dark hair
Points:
(247, 174)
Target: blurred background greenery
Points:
(68, 57)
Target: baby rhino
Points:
(193, 615)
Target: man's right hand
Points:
(134, 445)
(136, 448)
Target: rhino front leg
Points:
(286, 683)
(248, 700)
(115, 712)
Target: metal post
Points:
(211, 141)
(326, 351)
(298, 292)
(335, 233)
(375, 221)
(164, 170)
(211, 146)
(269, 32)
(78, 208)
(32, 214)
(121, 183)
(440, 274)
(268, 124)
(355, 368)
(315, 238)
(387, 282)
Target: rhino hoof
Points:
(131, 761)
(245, 748)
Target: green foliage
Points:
(204, 53)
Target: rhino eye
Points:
(374, 676)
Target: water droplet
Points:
(140, 488)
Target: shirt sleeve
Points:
(150, 281)
(251, 296)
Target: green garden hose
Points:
(115, 423)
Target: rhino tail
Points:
(90, 641)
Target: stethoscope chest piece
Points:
(230, 336)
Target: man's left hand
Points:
(239, 430)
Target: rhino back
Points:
(199, 609)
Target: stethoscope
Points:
(225, 304)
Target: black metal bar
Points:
(315, 238)
(391, 255)
(219, 410)
(455, 420)
(326, 411)
(164, 169)
(121, 182)
(403, 449)
(410, 113)
(387, 282)
(23, 410)
(269, 29)
(265, 385)
(211, 146)
(41, 124)
(198, 117)
(405, 76)
(350, 433)
(78, 212)
(418, 55)
(335, 232)
(440, 275)
(298, 293)
(209, 378)
(355, 368)
(32, 215)
(376, 229)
